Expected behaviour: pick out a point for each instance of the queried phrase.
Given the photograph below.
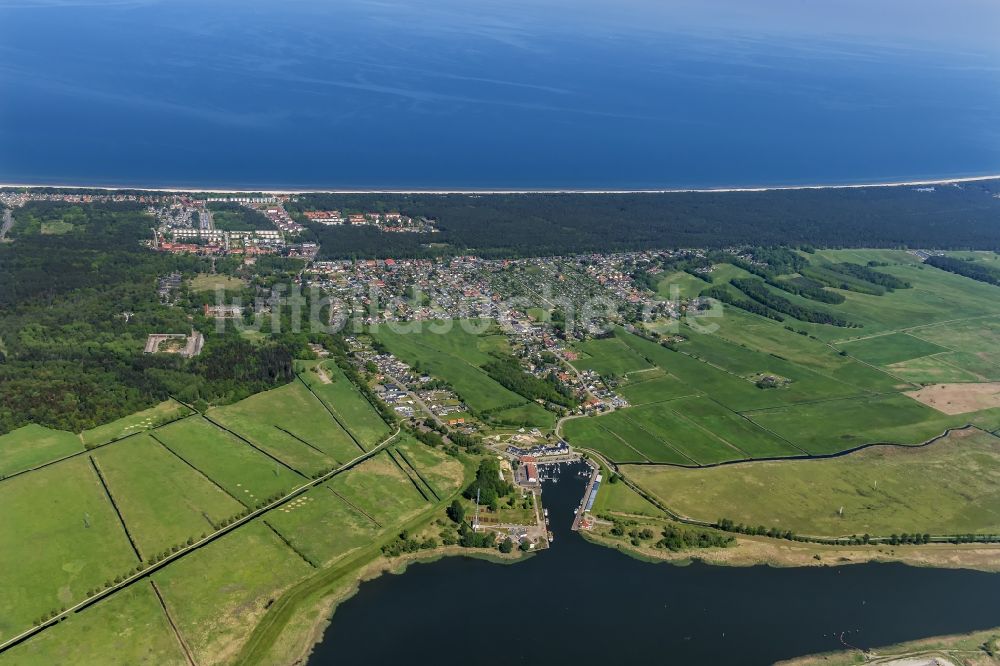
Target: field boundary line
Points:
(819, 456)
(288, 543)
(662, 440)
(981, 378)
(757, 425)
(114, 505)
(201, 473)
(364, 394)
(311, 446)
(252, 445)
(329, 409)
(710, 433)
(355, 507)
(871, 365)
(217, 534)
(173, 625)
(665, 400)
(622, 440)
(772, 433)
(417, 472)
(408, 476)
(792, 405)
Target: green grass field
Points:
(209, 282)
(609, 357)
(639, 437)
(163, 500)
(687, 431)
(217, 594)
(379, 489)
(938, 369)
(772, 338)
(834, 397)
(165, 412)
(951, 486)
(656, 389)
(590, 433)
(33, 445)
(336, 391)
(259, 420)
(442, 472)
(733, 429)
(836, 425)
(936, 296)
(132, 621)
(685, 284)
(890, 348)
(239, 468)
(322, 526)
(59, 537)
(289, 414)
(974, 344)
(724, 371)
(619, 498)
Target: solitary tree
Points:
(456, 511)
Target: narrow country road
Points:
(417, 400)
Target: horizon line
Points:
(706, 190)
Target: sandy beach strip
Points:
(709, 190)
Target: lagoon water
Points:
(583, 604)
(496, 93)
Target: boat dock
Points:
(588, 500)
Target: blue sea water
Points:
(483, 94)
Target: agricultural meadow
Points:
(84, 511)
(703, 436)
(697, 401)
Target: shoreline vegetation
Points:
(750, 551)
(295, 641)
(678, 190)
(976, 648)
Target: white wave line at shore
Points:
(763, 188)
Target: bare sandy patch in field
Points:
(959, 398)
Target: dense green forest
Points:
(76, 309)
(950, 217)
